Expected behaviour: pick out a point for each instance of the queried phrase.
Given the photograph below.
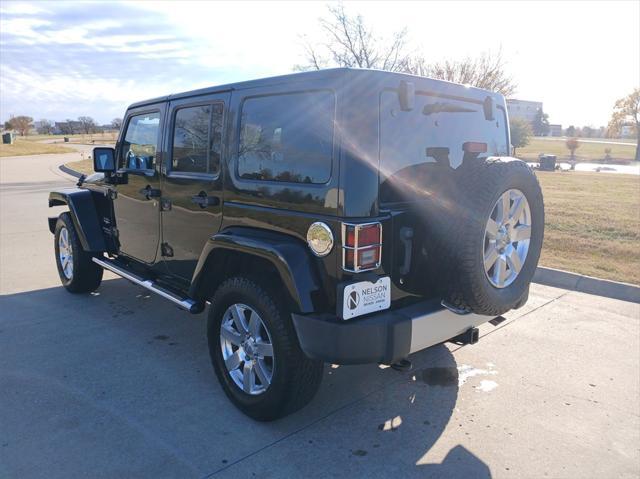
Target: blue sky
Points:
(65, 59)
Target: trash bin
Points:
(547, 162)
(7, 138)
(66, 139)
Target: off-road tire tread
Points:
(454, 250)
(305, 377)
(87, 275)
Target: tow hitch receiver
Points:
(403, 365)
(470, 336)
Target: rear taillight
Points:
(361, 246)
(474, 147)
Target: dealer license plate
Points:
(366, 297)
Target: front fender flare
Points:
(85, 216)
(289, 256)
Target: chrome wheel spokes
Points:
(506, 238)
(247, 349)
(65, 253)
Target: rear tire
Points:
(462, 243)
(78, 273)
(288, 379)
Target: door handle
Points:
(149, 192)
(203, 200)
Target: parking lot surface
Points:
(118, 384)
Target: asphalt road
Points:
(118, 384)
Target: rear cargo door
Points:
(434, 131)
(422, 146)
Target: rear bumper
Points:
(383, 337)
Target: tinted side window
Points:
(197, 139)
(140, 141)
(287, 137)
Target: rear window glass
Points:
(287, 138)
(434, 131)
(197, 139)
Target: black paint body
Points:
(262, 224)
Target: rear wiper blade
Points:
(445, 108)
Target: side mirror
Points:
(104, 160)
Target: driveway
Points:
(119, 384)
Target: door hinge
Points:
(165, 204)
(166, 250)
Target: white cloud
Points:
(25, 28)
(20, 8)
(575, 57)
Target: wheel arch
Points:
(281, 259)
(84, 214)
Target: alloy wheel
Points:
(65, 253)
(247, 349)
(506, 238)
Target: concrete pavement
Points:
(118, 384)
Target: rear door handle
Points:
(149, 192)
(203, 200)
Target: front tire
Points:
(78, 273)
(255, 352)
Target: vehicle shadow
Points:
(120, 381)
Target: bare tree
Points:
(22, 124)
(626, 111)
(573, 144)
(87, 124)
(116, 123)
(66, 127)
(350, 42)
(488, 71)
(45, 127)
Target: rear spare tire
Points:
(489, 236)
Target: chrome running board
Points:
(185, 303)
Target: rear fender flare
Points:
(289, 256)
(84, 214)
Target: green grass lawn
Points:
(81, 166)
(101, 137)
(22, 147)
(586, 151)
(592, 224)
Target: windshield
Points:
(433, 133)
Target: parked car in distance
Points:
(341, 216)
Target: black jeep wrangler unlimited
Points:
(342, 216)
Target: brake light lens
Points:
(474, 147)
(362, 246)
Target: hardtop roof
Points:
(330, 73)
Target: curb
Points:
(587, 284)
(556, 278)
(69, 171)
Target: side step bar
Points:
(185, 303)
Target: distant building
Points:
(67, 127)
(527, 110)
(555, 130)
